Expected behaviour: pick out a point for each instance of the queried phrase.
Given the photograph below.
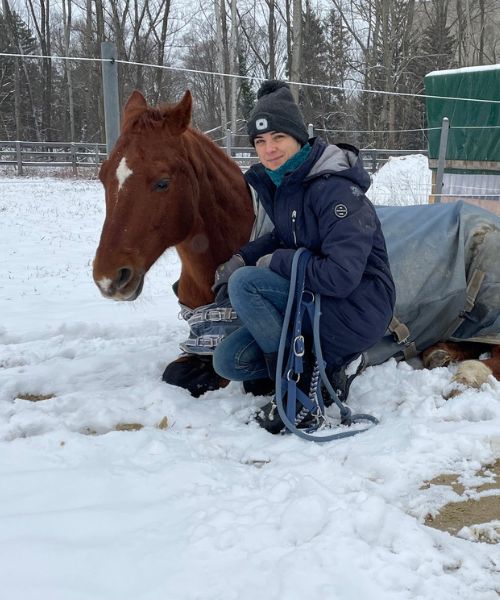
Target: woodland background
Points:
(385, 45)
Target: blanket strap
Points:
(473, 288)
(401, 334)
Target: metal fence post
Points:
(19, 158)
(443, 145)
(110, 93)
(310, 130)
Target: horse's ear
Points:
(180, 113)
(135, 102)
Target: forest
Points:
(359, 65)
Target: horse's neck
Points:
(223, 223)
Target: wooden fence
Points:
(75, 155)
(71, 155)
(373, 158)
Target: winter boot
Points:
(341, 381)
(265, 386)
(268, 417)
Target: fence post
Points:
(73, 158)
(374, 161)
(310, 130)
(443, 145)
(110, 93)
(97, 162)
(228, 141)
(19, 158)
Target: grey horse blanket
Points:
(445, 259)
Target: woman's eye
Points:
(161, 185)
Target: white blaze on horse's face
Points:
(123, 172)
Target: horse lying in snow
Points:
(167, 184)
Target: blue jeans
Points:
(259, 297)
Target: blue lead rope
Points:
(304, 302)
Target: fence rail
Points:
(51, 154)
(77, 155)
(373, 158)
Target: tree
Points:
(17, 110)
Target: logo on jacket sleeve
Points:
(340, 211)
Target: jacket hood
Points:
(342, 160)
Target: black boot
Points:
(265, 386)
(194, 373)
(341, 382)
(259, 387)
(268, 417)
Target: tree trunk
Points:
(219, 12)
(42, 27)
(233, 69)
(296, 49)
(271, 33)
(17, 84)
(160, 54)
(66, 8)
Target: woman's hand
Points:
(224, 272)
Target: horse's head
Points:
(151, 195)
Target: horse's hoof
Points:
(471, 374)
(436, 358)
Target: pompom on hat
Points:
(276, 110)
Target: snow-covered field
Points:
(211, 507)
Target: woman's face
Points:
(275, 148)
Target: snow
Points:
(402, 180)
(463, 70)
(212, 507)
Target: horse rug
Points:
(445, 260)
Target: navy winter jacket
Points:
(322, 206)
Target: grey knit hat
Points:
(276, 110)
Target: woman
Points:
(314, 194)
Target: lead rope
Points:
(313, 404)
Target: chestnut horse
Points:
(166, 185)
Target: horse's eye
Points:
(161, 185)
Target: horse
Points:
(168, 185)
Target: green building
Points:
(472, 168)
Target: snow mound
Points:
(402, 181)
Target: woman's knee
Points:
(238, 358)
(249, 282)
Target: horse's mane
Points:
(146, 118)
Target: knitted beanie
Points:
(276, 110)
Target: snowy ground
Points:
(211, 508)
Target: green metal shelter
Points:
(472, 167)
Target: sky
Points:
(201, 503)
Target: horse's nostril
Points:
(124, 276)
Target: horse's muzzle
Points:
(126, 286)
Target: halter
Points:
(305, 302)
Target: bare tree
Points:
(41, 21)
(296, 47)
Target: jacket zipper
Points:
(294, 217)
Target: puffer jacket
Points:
(322, 206)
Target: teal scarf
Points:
(291, 164)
